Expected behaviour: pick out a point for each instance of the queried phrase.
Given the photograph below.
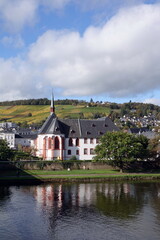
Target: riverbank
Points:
(37, 176)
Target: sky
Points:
(100, 49)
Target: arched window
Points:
(56, 143)
(49, 143)
(63, 143)
(77, 142)
(70, 143)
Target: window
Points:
(85, 151)
(49, 143)
(70, 142)
(63, 143)
(69, 152)
(91, 140)
(92, 151)
(56, 143)
(85, 140)
(100, 133)
(77, 152)
(77, 142)
(97, 140)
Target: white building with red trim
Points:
(64, 138)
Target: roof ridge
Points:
(79, 125)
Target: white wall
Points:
(74, 148)
(10, 138)
(81, 148)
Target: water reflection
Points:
(120, 200)
(81, 211)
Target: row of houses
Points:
(149, 120)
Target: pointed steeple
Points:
(52, 108)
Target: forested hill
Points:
(41, 101)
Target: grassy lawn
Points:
(101, 173)
(72, 172)
(62, 172)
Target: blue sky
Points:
(100, 49)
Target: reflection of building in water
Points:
(78, 195)
(86, 193)
(60, 196)
(44, 195)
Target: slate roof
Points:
(31, 136)
(77, 128)
(138, 130)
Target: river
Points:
(87, 211)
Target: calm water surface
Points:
(81, 211)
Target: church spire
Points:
(52, 108)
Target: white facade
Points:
(10, 138)
(82, 148)
(14, 141)
(84, 151)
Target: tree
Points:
(91, 100)
(29, 114)
(120, 148)
(5, 152)
(154, 147)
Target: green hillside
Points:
(38, 113)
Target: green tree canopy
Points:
(5, 152)
(121, 147)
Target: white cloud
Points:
(14, 41)
(120, 59)
(153, 101)
(15, 14)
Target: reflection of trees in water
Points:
(121, 200)
(4, 194)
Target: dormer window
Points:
(88, 133)
(100, 133)
(72, 131)
(93, 125)
(105, 125)
(57, 128)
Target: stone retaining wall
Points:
(30, 165)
